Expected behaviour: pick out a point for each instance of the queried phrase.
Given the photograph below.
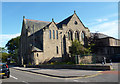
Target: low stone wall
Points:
(83, 67)
(85, 59)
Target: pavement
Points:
(61, 73)
(64, 73)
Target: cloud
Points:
(4, 38)
(97, 21)
(109, 28)
(101, 20)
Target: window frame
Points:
(57, 34)
(57, 51)
(53, 34)
(49, 34)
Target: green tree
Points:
(3, 54)
(78, 49)
(12, 47)
(93, 42)
(4, 57)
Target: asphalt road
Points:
(23, 77)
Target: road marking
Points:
(13, 77)
(75, 80)
(0, 81)
(25, 82)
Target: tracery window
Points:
(57, 34)
(53, 34)
(77, 35)
(82, 36)
(70, 35)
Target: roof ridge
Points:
(36, 20)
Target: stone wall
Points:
(85, 59)
(50, 45)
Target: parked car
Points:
(4, 70)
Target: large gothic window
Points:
(50, 34)
(82, 36)
(77, 35)
(53, 34)
(57, 34)
(70, 35)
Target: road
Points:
(24, 77)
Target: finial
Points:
(23, 17)
(74, 11)
(52, 20)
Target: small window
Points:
(50, 34)
(57, 49)
(57, 34)
(116, 42)
(37, 55)
(53, 34)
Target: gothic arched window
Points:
(82, 36)
(50, 34)
(57, 34)
(53, 34)
(77, 35)
(70, 35)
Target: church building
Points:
(43, 41)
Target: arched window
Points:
(70, 35)
(50, 34)
(57, 34)
(53, 34)
(77, 35)
(57, 49)
(82, 36)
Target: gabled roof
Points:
(59, 25)
(49, 24)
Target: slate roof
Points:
(36, 23)
(100, 35)
(59, 25)
(35, 49)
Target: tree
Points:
(4, 57)
(12, 47)
(78, 49)
(93, 42)
(3, 50)
(3, 54)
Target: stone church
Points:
(43, 41)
